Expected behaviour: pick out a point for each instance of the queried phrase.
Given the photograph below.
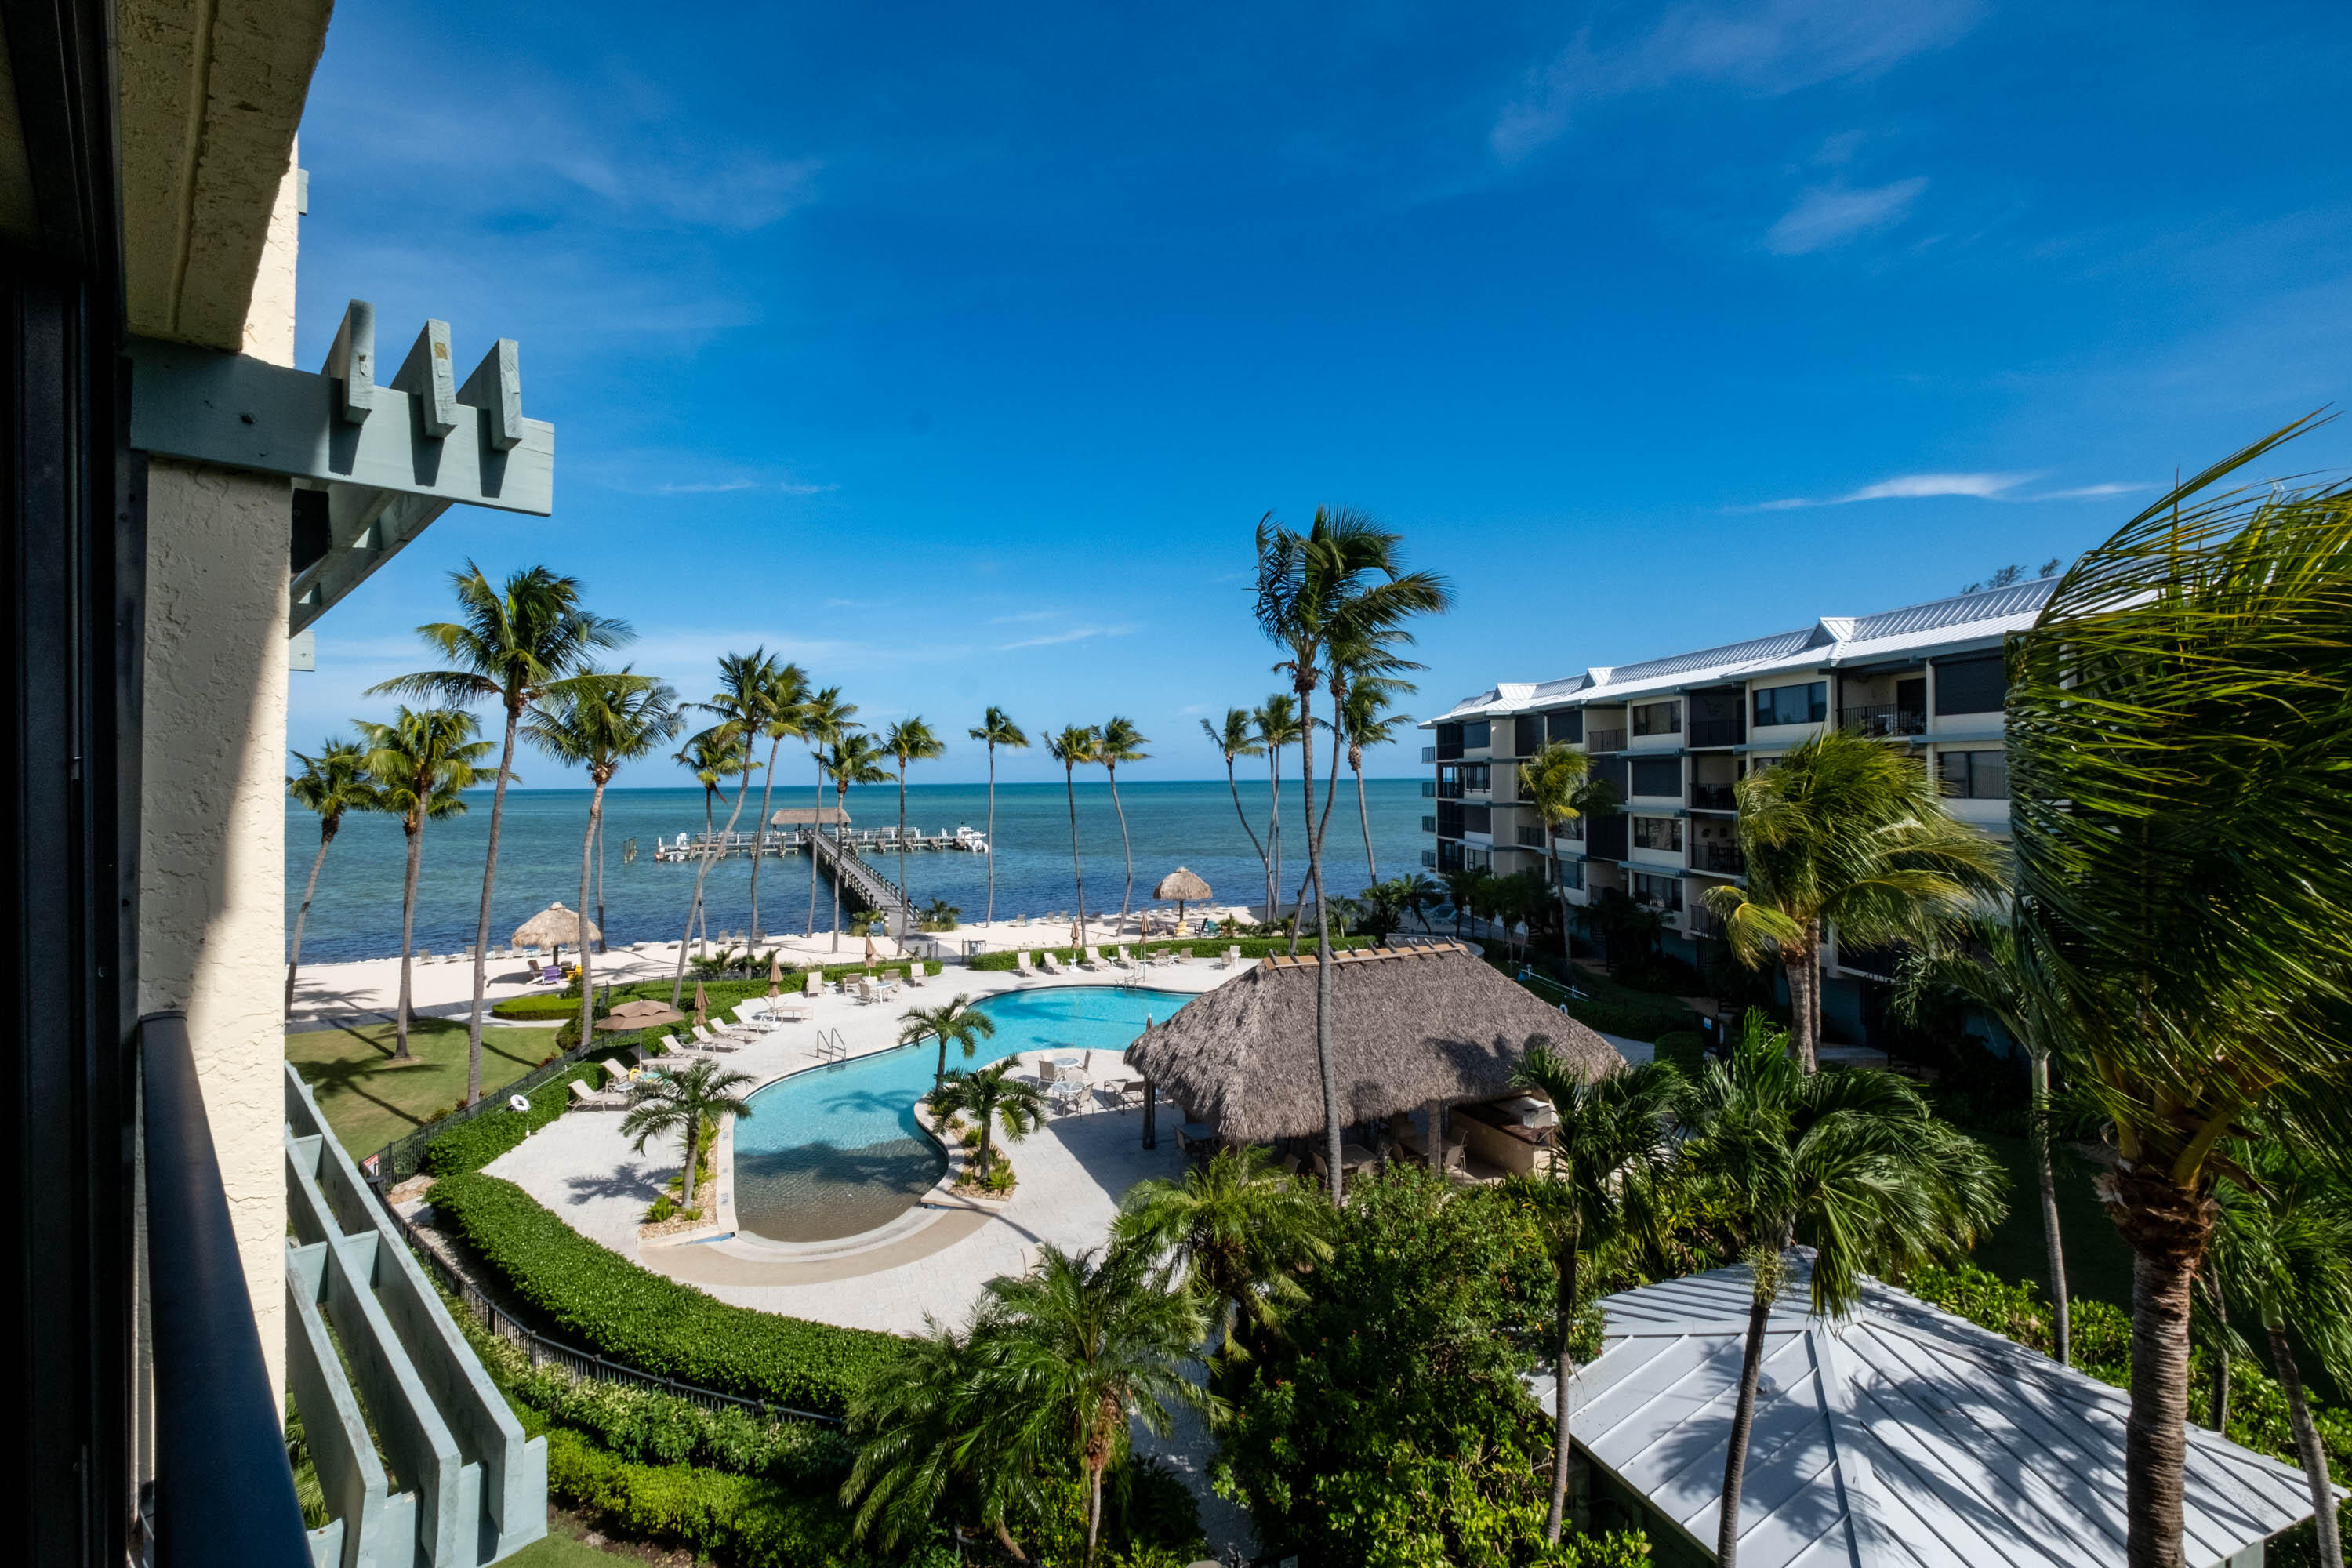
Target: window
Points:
(1449, 742)
(1566, 726)
(1477, 819)
(1571, 873)
(1475, 736)
(1449, 819)
(1970, 685)
(1607, 839)
(1975, 775)
(1658, 832)
(1477, 776)
(1659, 776)
(1528, 735)
(1658, 718)
(1806, 704)
(1658, 892)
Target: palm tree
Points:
(1277, 726)
(1853, 1162)
(1121, 741)
(1091, 1347)
(1334, 600)
(958, 1021)
(331, 783)
(1235, 739)
(993, 1098)
(1608, 1149)
(2282, 1251)
(782, 702)
(909, 740)
(856, 759)
(825, 719)
(505, 645)
(1462, 889)
(1554, 782)
(598, 722)
(422, 764)
(712, 756)
(2177, 744)
(681, 1103)
(996, 729)
(1365, 721)
(1418, 894)
(1847, 833)
(1241, 1230)
(747, 681)
(1075, 745)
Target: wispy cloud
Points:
(707, 487)
(1193, 708)
(1829, 215)
(1074, 634)
(1911, 487)
(2087, 492)
(1024, 618)
(1768, 46)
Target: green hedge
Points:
(609, 1305)
(1686, 1048)
(536, 1006)
(1212, 947)
(742, 1520)
(474, 1143)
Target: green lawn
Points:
(370, 1102)
(566, 1547)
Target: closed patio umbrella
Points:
(701, 1007)
(1185, 887)
(775, 974)
(558, 928)
(869, 953)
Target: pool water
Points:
(833, 1152)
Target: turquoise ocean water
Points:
(357, 911)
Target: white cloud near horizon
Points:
(1828, 216)
(2088, 492)
(1924, 487)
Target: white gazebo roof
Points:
(1898, 1437)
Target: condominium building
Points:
(1674, 734)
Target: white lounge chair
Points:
(1093, 960)
(812, 985)
(1053, 964)
(709, 1041)
(1021, 963)
(586, 1099)
(915, 975)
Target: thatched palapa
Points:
(811, 816)
(556, 926)
(1409, 1026)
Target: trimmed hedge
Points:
(536, 1006)
(609, 1305)
(474, 1143)
(738, 1519)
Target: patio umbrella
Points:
(631, 1016)
(701, 1007)
(1185, 887)
(558, 928)
(869, 953)
(776, 973)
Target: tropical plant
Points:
(1853, 1162)
(1381, 909)
(1554, 782)
(682, 1103)
(1608, 1154)
(941, 915)
(1335, 601)
(1278, 726)
(1365, 721)
(996, 729)
(1240, 1229)
(995, 1101)
(1073, 747)
(2179, 731)
(856, 759)
(507, 645)
(713, 756)
(1119, 740)
(825, 719)
(782, 702)
(748, 683)
(597, 721)
(422, 764)
(957, 1020)
(1090, 1348)
(1462, 888)
(909, 740)
(1847, 832)
(1419, 894)
(334, 781)
(1234, 738)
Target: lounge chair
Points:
(1053, 964)
(1122, 960)
(789, 1014)
(1021, 963)
(813, 984)
(1093, 960)
(672, 1046)
(586, 1099)
(915, 975)
(709, 1041)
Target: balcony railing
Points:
(1429, 825)
(1428, 787)
(1604, 739)
(1717, 731)
(1714, 797)
(1723, 857)
(1429, 859)
(1428, 754)
(1883, 719)
(1444, 789)
(1531, 837)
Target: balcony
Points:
(1429, 859)
(1429, 825)
(1428, 788)
(1883, 721)
(1717, 731)
(1428, 754)
(1604, 739)
(1714, 797)
(1447, 789)
(1725, 858)
(1531, 837)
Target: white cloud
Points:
(1768, 46)
(1025, 618)
(707, 486)
(2088, 492)
(1076, 634)
(1193, 707)
(1827, 216)
(1912, 487)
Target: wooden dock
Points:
(871, 841)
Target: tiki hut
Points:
(1185, 887)
(558, 928)
(1411, 1028)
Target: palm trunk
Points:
(1316, 828)
(1743, 1418)
(1077, 869)
(1804, 970)
(2167, 1230)
(1564, 1327)
(1324, 1064)
(1363, 813)
(2062, 1314)
(1559, 891)
(407, 936)
(990, 917)
(693, 1161)
(1004, 1539)
(759, 829)
(1234, 784)
(702, 872)
(601, 928)
(1272, 830)
(902, 830)
(1094, 1508)
(587, 978)
(1127, 894)
(2306, 1444)
(482, 924)
(816, 826)
(2217, 1401)
(327, 826)
(840, 792)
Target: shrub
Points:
(474, 1143)
(1210, 947)
(1686, 1048)
(647, 1428)
(538, 1006)
(635, 1316)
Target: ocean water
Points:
(356, 913)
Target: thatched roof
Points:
(1183, 884)
(554, 926)
(803, 816)
(1410, 1025)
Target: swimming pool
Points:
(834, 1152)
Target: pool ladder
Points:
(831, 1047)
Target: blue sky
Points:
(954, 350)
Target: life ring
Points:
(519, 1104)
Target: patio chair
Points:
(1048, 1074)
(582, 1097)
(1021, 963)
(710, 1041)
(1053, 964)
(915, 975)
(1093, 960)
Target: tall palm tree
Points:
(957, 1020)
(783, 701)
(1463, 886)
(1334, 599)
(1609, 1151)
(422, 764)
(2178, 736)
(334, 781)
(825, 719)
(1121, 741)
(909, 740)
(1365, 721)
(856, 759)
(994, 1100)
(1235, 739)
(1241, 1230)
(996, 729)
(507, 645)
(742, 704)
(1853, 1162)
(597, 721)
(1849, 833)
(682, 1103)
(1071, 748)
(1094, 1348)
(713, 756)
(1419, 894)
(1277, 726)
(1555, 780)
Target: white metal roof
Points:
(1961, 621)
(1898, 1437)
